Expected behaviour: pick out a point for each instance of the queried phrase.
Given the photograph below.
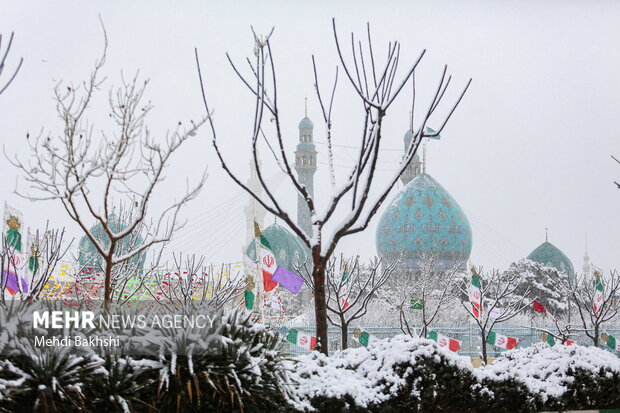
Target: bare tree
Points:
(128, 163)
(3, 57)
(190, 280)
(596, 301)
(499, 298)
(376, 88)
(426, 293)
(128, 277)
(351, 289)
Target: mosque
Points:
(422, 221)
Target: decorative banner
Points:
(502, 341)
(13, 223)
(364, 338)
(288, 279)
(475, 295)
(9, 279)
(538, 307)
(301, 339)
(249, 299)
(344, 289)
(416, 303)
(611, 341)
(444, 341)
(34, 256)
(597, 300)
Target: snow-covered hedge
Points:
(561, 377)
(415, 375)
(400, 373)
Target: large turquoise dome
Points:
(551, 256)
(424, 220)
(287, 248)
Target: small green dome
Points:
(287, 248)
(89, 257)
(551, 256)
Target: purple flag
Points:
(288, 279)
(10, 282)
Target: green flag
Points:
(345, 275)
(258, 234)
(364, 338)
(549, 339)
(249, 299)
(416, 303)
(611, 341)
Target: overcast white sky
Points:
(529, 147)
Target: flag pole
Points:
(259, 276)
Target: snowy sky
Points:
(529, 147)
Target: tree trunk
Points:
(344, 333)
(484, 347)
(107, 289)
(596, 329)
(320, 305)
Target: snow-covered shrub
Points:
(396, 374)
(122, 385)
(48, 380)
(561, 377)
(247, 373)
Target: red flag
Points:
(539, 308)
(268, 284)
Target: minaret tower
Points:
(415, 166)
(587, 268)
(305, 165)
(253, 210)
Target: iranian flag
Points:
(444, 341)
(344, 289)
(502, 341)
(549, 339)
(364, 337)
(301, 339)
(597, 300)
(267, 259)
(611, 341)
(475, 294)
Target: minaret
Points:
(587, 268)
(415, 166)
(253, 210)
(305, 165)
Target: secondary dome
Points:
(551, 256)
(91, 261)
(286, 247)
(422, 221)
